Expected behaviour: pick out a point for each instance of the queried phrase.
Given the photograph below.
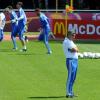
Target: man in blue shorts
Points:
(45, 28)
(14, 24)
(22, 20)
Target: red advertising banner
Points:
(85, 29)
(86, 25)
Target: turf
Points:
(34, 75)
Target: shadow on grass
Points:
(47, 97)
(5, 50)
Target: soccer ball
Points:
(85, 54)
(80, 55)
(97, 55)
(91, 55)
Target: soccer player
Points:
(22, 20)
(2, 24)
(45, 26)
(71, 53)
(14, 24)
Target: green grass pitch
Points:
(34, 75)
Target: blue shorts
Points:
(1, 35)
(14, 32)
(21, 31)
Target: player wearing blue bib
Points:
(45, 25)
(14, 25)
(22, 20)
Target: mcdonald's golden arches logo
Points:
(59, 28)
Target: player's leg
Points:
(68, 83)
(21, 37)
(41, 36)
(74, 64)
(46, 32)
(25, 38)
(74, 72)
(13, 37)
(14, 42)
(1, 35)
(25, 31)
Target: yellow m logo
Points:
(59, 28)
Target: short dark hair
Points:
(20, 3)
(69, 33)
